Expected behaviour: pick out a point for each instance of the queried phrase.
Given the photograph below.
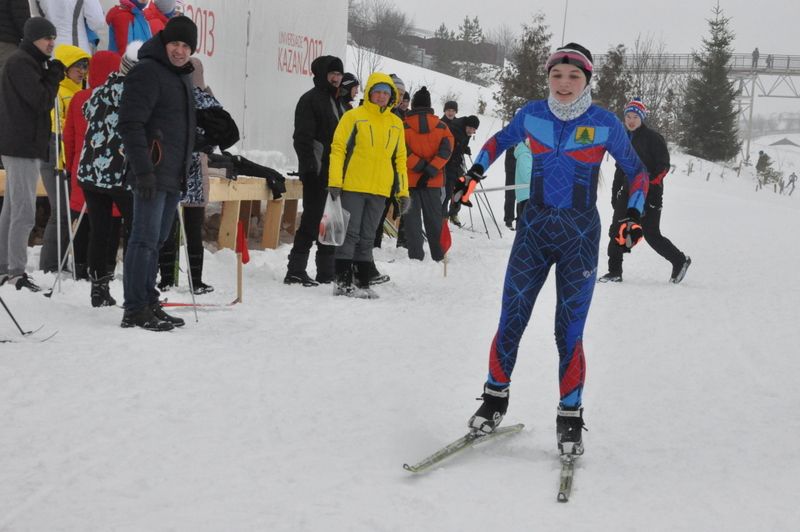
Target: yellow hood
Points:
(374, 79)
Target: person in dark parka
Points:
(652, 149)
(13, 15)
(315, 119)
(157, 126)
(28, 88)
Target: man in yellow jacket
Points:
(77, 63)
(368, 162)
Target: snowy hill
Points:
(295, 410)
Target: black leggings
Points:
(193, 218)
(105, 229)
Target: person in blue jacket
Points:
(568, 137)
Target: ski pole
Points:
(491, 211)
(57, 175)
(188, 263)
(70, 248)
(49, 293)
(23, 333)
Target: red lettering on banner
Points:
(296, 52)
(206, 22)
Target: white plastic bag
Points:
(333, 226)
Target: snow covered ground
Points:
(295, 410)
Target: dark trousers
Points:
(105, 229)
(651, 227)
(425, 209)
(193, 218)
(510, 201)
(152, 221)
(448, 208)
(314, 196)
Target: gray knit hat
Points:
(37, 28)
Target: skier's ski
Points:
(29, 337)
(565, 482)
(459, 445)
(166, 303)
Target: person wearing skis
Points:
(560, 226)
(28, 89)
(315, 119)
(368, 164)
(652, 149)
(157, 126)
(429, 144)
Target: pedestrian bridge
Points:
(740, 64)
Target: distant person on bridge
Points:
(652, 150)
(770, 59)
(755, 58)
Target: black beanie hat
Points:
(578, 48)
(349, 81)
(422, 98)
(181, 29)
(472, 121)
(37, 28)
(451, 105)
(334, 65)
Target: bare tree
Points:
(649, 76)
(504, 37)
(367, 61)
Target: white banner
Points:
(257, 56)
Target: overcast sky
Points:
(772, 25)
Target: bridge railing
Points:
(766, 63)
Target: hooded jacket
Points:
(102, 65)
(69, 55)
(429, 143)
(368, 153)
(315, 119)
(652, 149)
(157, 118)
(27, 94)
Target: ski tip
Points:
(410, 469)
(562, 497)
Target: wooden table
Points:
(40, 191)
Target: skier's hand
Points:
(335, 192)
(630, 230)
(475, 172)
(146, 186)
(54, 73)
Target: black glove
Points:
(146, 186)
(54, 72)
(335, 192)
(630, 230)
(475, 172)
(467, 150)
(422, 182)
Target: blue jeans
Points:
(152, 222)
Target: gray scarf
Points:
(574, 109)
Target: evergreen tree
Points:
(708, 118)
(470, 31)
(470, 68)
(613, 87)
(446, 51)
(525, 78)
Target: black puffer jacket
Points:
(27, 94)
(652, 149)
(157, 118)
(13, 14)
(455, 166)
(315, 119)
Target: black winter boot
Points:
(363, 274)
(296, 273)
(100, 294)
(343, 285)
(145, 319)
(569, 430)
(491, 412)
(159, 313)
(326, 269)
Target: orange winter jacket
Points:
(429, 143)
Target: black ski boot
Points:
(343, 285)
(159, 313)
(610, 278)
(679, 271)
(491, 412)
(569, 430)
(145, 319)
(100, 294)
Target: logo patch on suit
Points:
(584, 135)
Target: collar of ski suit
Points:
(572, 110)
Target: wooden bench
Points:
(279, 213)
(231, 193)
(40, 191)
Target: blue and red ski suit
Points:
(560, 226)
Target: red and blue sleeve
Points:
(508, 137)
(619, 146)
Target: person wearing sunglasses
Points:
(568, 137)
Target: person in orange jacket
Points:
(429, 143)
